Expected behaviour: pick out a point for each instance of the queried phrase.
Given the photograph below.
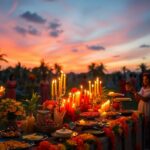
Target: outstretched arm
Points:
(140, 97)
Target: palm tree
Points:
(124, 69)
(92, 69)
(57, 68)
(101, 69)
(2, 57)
(143, 67)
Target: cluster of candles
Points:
(82, 96)
(78, 98)
(95, 88)
(74, 100)
(58, 86)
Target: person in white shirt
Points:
(143, 98)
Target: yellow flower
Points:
(11, 105)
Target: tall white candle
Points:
(64, 83)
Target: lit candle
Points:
(64, 83)
(77, 98)
(55, 88)
(97, 82)
(90, 90)
(73, 106)
(52, 90)
(61, 82)
(100, 88)
(95, 88)
(73, 112)
(73, 97)
(59, 86)
(81, 88)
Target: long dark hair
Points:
(147, 75)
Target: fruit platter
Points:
(15, 145)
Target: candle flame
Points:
(73, 105)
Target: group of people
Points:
(44, 88)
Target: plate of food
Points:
(15, 145)
(85, 123)
(94, 132)
(113, 114)
(9, 134)
(35, 137)
(122, 99)
(126, 112)
(89, 114)
(64, 133)
(115, 94)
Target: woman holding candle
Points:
(143, 98)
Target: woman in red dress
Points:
(44, 89)
(11, 87)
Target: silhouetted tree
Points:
(2, 58)
(143, 67)
(92, 69)
(57, 68)
(101, 69)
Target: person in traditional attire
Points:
(44, 89)
(143, 98)
(11, 87)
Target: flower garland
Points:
(11, 106)
(123, 123)
(46, 145)
(116, 127)
(81, 141)
(110, 133)
(135, 117)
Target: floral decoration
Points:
(81, 141)
(46, 145)
(11, 106)
(49, 104)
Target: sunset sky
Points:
(75, 33)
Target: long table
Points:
(133, 140)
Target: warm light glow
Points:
(27, 39)
(82, 122)
(105, 106)
(2, 90)
(73, 105)
(111, 93)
